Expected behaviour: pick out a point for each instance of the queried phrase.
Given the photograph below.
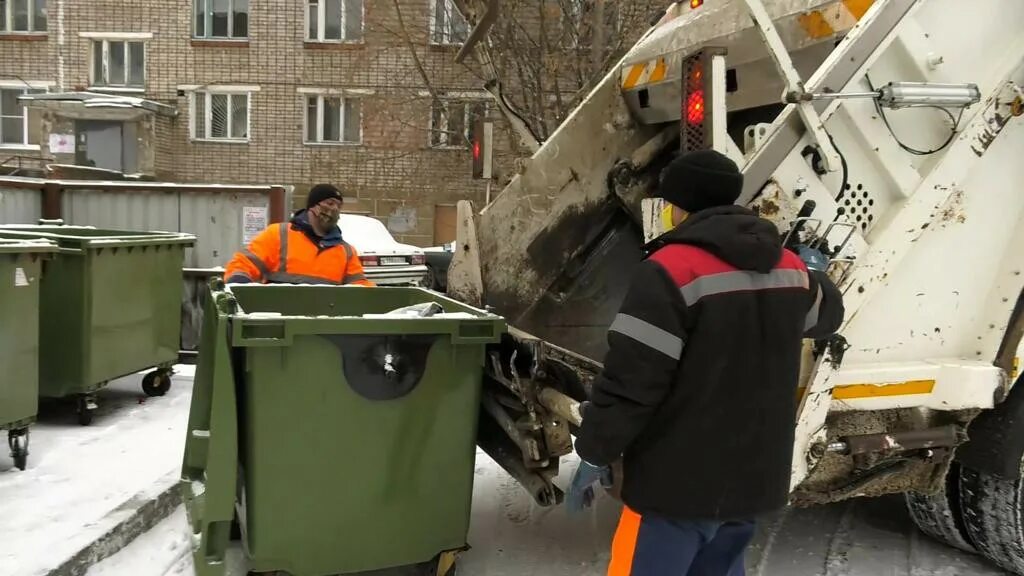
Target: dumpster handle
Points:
(261, 333)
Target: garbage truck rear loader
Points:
(888, 133)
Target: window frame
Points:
(30, 88)
(207, 96)
(468, 105)
(7, 18)
(448, 33)
(321, 18)
(320, 98)
(100, 79)
(208, 22)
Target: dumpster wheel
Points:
(157, 382)
(86, 409)
(17, 440)
(447, 564)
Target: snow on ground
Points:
(79, 477)
(511, 536)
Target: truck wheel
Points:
(939, 515)
(993, 510)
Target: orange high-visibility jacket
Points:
(285, 253)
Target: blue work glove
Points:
(581, 489)
(239, 279)
(813, 258)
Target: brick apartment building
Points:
(287, 92)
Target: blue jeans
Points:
(653, 546)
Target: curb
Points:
(144, 510)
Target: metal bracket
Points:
(794, 84)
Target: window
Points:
(16, 129)
(451, 122)
(334, 120)
(118, 63)
(220, 116)
(221, 19)
(334, 20)
(447, 26)
(22, 16)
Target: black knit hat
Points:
(321, 192)
(699, 180)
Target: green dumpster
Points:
(20, 270)
(337, 440)
(110, 306)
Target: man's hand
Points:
(814, 259)
(581, 489)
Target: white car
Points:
(386, 261)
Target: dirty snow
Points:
(79, 477)
(511, 536)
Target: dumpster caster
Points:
(157, 383)
(18, 442)
(86, 408)
(447, 564)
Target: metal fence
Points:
(222, 217)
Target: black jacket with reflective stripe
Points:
(699, 389)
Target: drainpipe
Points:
(60, 46)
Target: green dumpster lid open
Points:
(94, 237)
(28, 245)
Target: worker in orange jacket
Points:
(307, 250)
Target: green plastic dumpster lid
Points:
(26, 246)
(89, 236)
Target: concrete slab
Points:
(89, 490)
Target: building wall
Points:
(392, 173)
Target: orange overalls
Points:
(285, 253)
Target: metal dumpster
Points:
(335, 440)
(20, 270)
(110, 306)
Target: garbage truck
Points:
(886, 133)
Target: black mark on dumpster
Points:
(383, 367)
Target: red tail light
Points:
(419, 259)
(695, 107)
(369, 260)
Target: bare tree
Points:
(546, 54)
(551, 53)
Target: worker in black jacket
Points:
(699, 389)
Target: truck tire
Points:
(992, 514)
(939, 515)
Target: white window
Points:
(22, 15)
(451, 122)
(119, 63)
(221, 19)
(334, 120)
(447, 25)
(17, 127)
(334, 20)
(220, 116)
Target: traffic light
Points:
(481, 145)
